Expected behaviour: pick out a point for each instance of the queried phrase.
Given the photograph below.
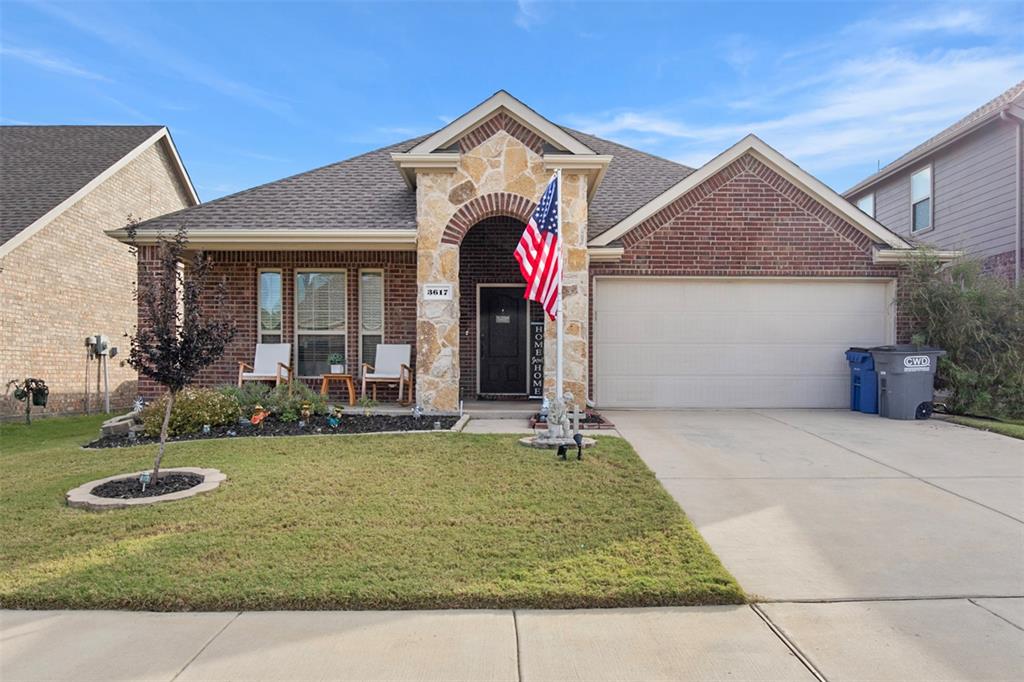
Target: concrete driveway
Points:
(885, 545)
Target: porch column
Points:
(437, 321)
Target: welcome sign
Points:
(536, 359)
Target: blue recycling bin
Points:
(863, 381)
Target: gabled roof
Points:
(367, 193)
(633, 178)
(501, 101)
(1011, 99)
(754, 145)
(45, 169)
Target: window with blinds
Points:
(320, 319)
(371, 313)
(270, 310)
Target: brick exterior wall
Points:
(238, 270)
(484, 258)
(1002, 265)
(747, 221)
(69, 280)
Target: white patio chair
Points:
(391, 367)
(272, 363)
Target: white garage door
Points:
(732, 342)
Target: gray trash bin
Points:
(906, 380)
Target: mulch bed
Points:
(129, 488)
(588, 420)
(271, 426)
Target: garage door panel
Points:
(652, 360)
(732, 342)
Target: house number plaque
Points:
(437, 292)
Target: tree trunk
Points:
(28, 408)
(163, 435)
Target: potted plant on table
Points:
(337, 363)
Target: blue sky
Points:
(255, 91)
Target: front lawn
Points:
(1013, 429)
(356, 522)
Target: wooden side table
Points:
(325, 386)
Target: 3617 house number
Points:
(437, 292)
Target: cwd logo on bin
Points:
(917, 363)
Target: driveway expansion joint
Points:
(789, 644)
(999, 616)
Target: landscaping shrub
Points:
(978, 320)
(192, 408)
(288, 406)
(249, 395)
(276, 399)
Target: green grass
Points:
(383, 522)
(1013, 429)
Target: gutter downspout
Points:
(1019, 236)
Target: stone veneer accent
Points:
(70, 280)
(496, 176)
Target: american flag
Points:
(539, 252)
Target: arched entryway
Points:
(494, 320)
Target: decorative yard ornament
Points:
(144, 479)
(558, 418)
(32, 392)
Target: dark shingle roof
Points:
(368, 192)
(364, 192)
(633, 179)
(41, 166)
(977, 116)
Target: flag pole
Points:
(558, 315)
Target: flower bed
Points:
(273, 426)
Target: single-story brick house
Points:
(61, 278)
(739, 283)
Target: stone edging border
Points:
(82, 496)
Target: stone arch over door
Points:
(494, 205)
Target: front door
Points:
(502, 328)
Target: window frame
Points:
(359, 312)
(930, 199)
(259, 306)
(296, 332)
(862, 198)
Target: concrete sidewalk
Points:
(619, 644)
(867, 640)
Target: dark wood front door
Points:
(502, 326)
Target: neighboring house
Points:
(61, 278)
(738, 284)
(960, 189)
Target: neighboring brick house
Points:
(961, 189)
(740, 283)
(61, 278)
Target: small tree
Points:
(174, 340)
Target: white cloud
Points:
(140, 45)
(836, 107)
(50, 62)
(527, 14)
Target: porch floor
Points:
(501, 409)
